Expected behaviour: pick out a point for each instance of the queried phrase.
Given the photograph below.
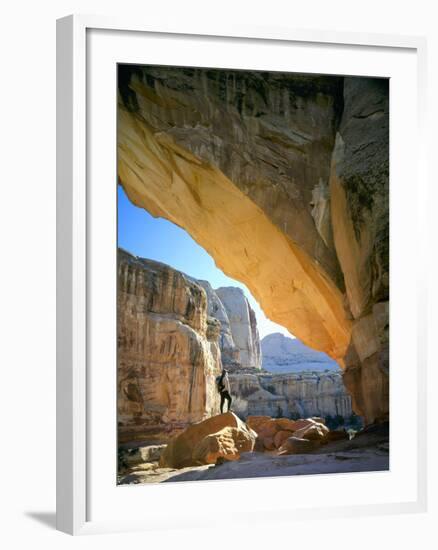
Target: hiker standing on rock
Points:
(223, 386)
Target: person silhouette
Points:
(223, 386)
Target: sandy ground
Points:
(255, 465)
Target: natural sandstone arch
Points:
(172, 183)
(283, 179)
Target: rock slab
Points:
(223, 435)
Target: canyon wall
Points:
(285, 395)
(168, 351)
(283, 179)
(174, 335)
(359, 190)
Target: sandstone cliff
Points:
(300, 395)
(230, 353)
(243, 325)
(168, 351)
(283, 179)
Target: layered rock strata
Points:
(168, 351)
(222, 436)
(299, 395)
(283, 179)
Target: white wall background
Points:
(27, 287)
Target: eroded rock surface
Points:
(230, 352)
(221, 436)
(300, 395)
(359, 190)
(168, 351)
(240, 181)
(243, 325)
(283, 179)
(288, 436)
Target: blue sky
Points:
(157, 239)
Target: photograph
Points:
(252, 274)
(219, 288)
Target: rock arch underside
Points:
(283, 179)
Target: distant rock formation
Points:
(168, 351)
(243, 325)
(282, 354)
(290, 395)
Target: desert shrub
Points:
(354, 422)
(334, 422)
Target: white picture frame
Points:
(75, 218)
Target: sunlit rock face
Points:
(230, 352)
(239, 340)
(300, 395)
(283, 179)
(243, 325)
(240, 181)
(168, 351)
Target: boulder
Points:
(313, 432)
(179, 453)
(268, 429)
(318, 419)
(280, 437)
(256, 422)
(268, 443)
(141, 455)
(297, 445)
(303, 423)
(286, 424)
(268, 426)
(259, 446)
(227, 444)
(272, 432)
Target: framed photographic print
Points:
(237, 313)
